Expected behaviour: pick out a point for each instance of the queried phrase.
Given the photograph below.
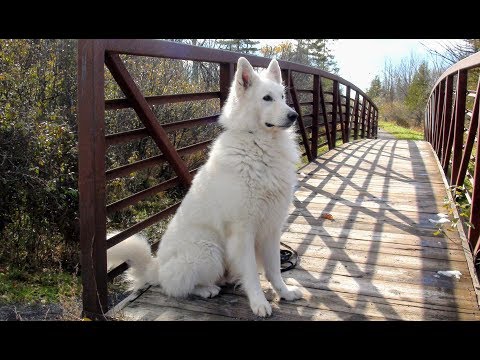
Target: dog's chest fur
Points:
(266, 166)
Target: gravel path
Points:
(35, 312)
(382, 134)
(49, 312)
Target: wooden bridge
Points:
(377, 259)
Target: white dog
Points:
(231, 218)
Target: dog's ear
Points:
(273, 71)
(244, 75)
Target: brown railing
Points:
(452, 127)
(325, 117)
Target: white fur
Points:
(230, 220)
(136, 252)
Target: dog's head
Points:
(256, 102)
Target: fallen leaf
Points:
(327, 216)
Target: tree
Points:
(375, 89)
(320, 55)
(418, 93)
(454, 52)
(404, 73)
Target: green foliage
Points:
(459, 201)
(38, 167)
(418, 93)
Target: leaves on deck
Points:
(327, 216)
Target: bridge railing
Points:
(452, 127)
(330, 109)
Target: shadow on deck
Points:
(378, 260)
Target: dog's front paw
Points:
(261, 307)
(293, 293)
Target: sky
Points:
(360, 60)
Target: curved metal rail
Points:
(452, 127)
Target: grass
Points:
(400, 132)
(48, 286)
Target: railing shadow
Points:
(369, 159)
(413, 147)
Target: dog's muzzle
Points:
(292, 116)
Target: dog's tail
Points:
(135, 251)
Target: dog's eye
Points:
(267, 98)
(283, 96)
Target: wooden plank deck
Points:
(378, 260)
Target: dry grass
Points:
(72, 307)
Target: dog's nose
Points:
(292, 116)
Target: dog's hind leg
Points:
(195, 270)
(268, 247)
